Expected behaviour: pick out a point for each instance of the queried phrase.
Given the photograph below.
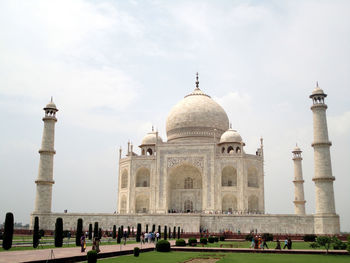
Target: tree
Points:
(90, 231)
(138, 234)
(8, 232)
(36, 235)
(114, 233)
(169, 232)
(178, 232)
(122, 229)
(174, 232)
(96, 229)
(99, 233)
(153, 228)
(79, 232)
(324, 241)
(59, 232)
(160, 232)
(119, 235)
(128, 231)
(165, 233)
(147, 228)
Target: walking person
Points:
(285, 243)
(252, 245)
(264, 244)
(278, 245)
(157, 236)
(289, 243)
(143, 238)
(82, 243)
(125, 236)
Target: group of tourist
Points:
(259, 242)
(149, 237)
(95, 244)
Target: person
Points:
(125, 236)
(256, 244)
(157, 236)
(278, 245)
(143, 238)
(146, 237)
(252, 245)
(285, 243)
(260, 242)
(289, 243)
(82, 243)
(264, 244)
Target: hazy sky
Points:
(115, 68)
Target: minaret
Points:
(299, 202)
(45, 181)
(326, 221)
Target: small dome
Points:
(51, 105)
(230, 136)
(317, 91)
(296, 149)
(151, 138)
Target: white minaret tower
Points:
(326, 221)
(299, 202)
(45, 180)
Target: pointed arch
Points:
(143, 177)
(229, 176)
(124, 179)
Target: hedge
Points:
(180, 243)
(163, 246)
(192, 241)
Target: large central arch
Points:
(184, 188)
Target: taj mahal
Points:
(200, 176)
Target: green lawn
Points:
(172, 257)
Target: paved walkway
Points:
(45, 254)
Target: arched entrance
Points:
(184, 189)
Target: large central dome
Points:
(196, 118)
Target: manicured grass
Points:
(172, 257)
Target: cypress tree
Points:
(178, 233)
(147, 228)
(96, 229)
(122, 229)
(174, 232)
(169, 232)
(133, 231)
(90, 231)
(114, 233)
(165, 233)
(59, 232)
(79, 232)
(99, 233)
(153, 228)
(128, 231)
(36, 235)
(8, 232)
(119, 235)
(138, 234)
(160, 232)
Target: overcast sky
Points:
(115, 68)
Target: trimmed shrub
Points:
(169, 232)
(138, 234)
(160, 232)
(249, 237)
(309, 238)
(153, 228)
(128, 231)
(348, 244)
(338, 244)
(174, 232)
(36, 235)
(180, 243)
(216, 239)
(59, 232)
(267, 236)
(163, 246)
(119, 235)
(79, 232)
(8, 232)
(100, 233)
(147, 228)
(178, 233)
(314, 245)
(222, 238)
(92, 256)
(203, 240)
(211, 239)
(136, 251)
(90, 231)
(165, 233)
(114, 232)
(96, 229)
(192, 241)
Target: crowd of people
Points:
(259, 242)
